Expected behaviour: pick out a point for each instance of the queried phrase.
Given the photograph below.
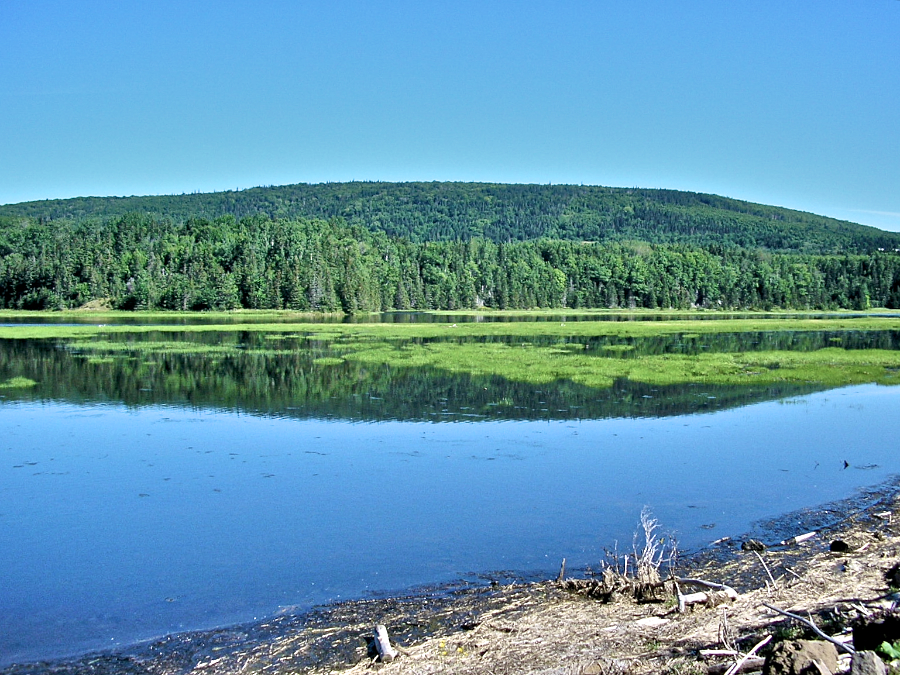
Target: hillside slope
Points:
(436, 211)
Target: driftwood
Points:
(383, 644)
(837, 643)
(718, 594)
(736, 668)
(766, 568)
(798, 539)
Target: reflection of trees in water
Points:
(289, 383)
(687, 343)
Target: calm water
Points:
(137, 500)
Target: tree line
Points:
(143, 262)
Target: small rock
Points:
(652, 622)
(753, 545)
(867, 663)
(802, 657)
(839, 546)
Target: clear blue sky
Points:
(787, 102)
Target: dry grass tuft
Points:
(636, 576)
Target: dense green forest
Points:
(424, 212)
(141, 261)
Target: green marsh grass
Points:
(328, 361)
(511, 350)
(17, 383)
(543, 365)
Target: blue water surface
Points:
(122, 524)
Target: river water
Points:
(143, 497)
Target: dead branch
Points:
(837, 643)
(766, 568)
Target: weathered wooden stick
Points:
(798, 539)
(814, 627)
(383, 644)
(766, 568)
(736, 668)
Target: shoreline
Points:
(334, 638)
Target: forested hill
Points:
(423, 212)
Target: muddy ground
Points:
(504, 625)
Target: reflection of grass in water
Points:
(542, 365)
(516, 357)
(168, 347)
(328, 361)
(17, 383)
(618, 348)
(690, 336)
(322, 337)
(95, 360)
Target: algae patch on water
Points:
(593, 354)
(18, 383)
(328, 361)
(543, 365)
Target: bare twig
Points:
(766, 568)
(725, 633)
(790, 571)
(814, 627)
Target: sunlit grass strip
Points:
(523, 329)
(543, 365)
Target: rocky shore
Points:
(843, 576)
